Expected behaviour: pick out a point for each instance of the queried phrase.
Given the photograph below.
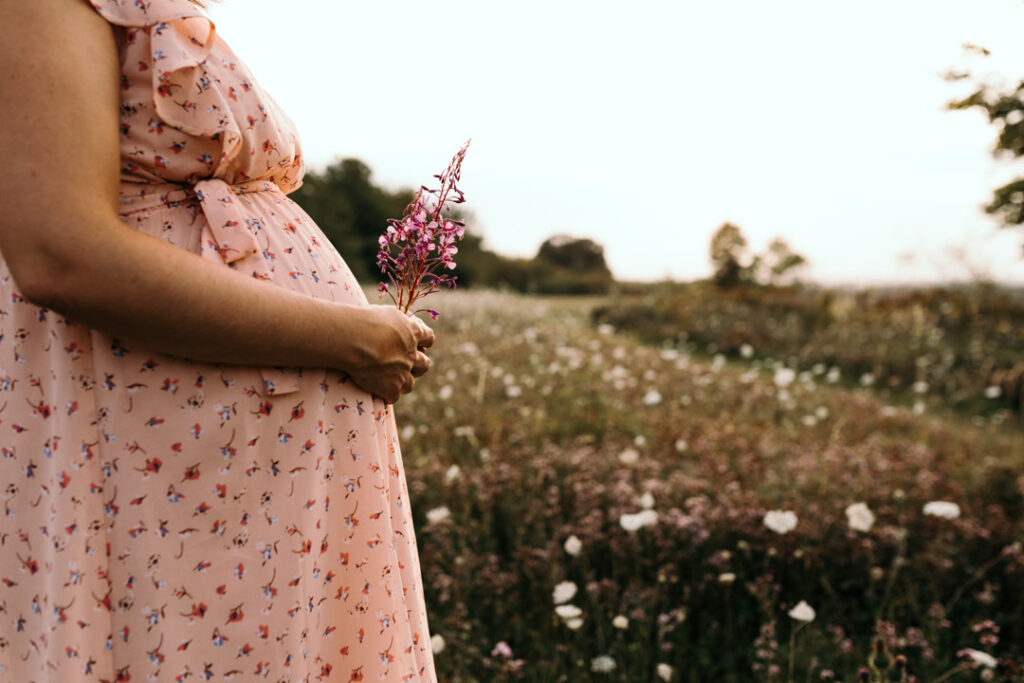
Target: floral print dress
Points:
(169, 520)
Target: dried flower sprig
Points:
(418, 249)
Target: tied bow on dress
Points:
(187, 100)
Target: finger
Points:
(424, 335)
(421, 364)
(409, 384)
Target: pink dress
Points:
(169, 520)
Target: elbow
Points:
(67, 271)
(41, 281)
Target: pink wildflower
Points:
(415, 247)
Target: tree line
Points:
(352, 211)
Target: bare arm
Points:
(68, 250)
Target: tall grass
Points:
(962, 344)
(535, 426)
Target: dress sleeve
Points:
(184, 95)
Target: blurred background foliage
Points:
(961, 343)
(1004, 107)
(353, 211)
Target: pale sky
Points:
(645, 125)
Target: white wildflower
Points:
(647, 500)
(809, 420)
(664, 671)
(780, 521)
(568, 611)
(437, 643)
(818, 369)
(833, 376)
(784, 377)
(821, 412)
(408, 431)
(574, 624)
(573, 545)
(633, 522)
(513, 391)
(979, 658)
(438, 514)
(802, 612)
(467, 347)
(453, 473)
(993, 392)
(652, 397)
(564, 592)
(639, 440)
(445, 392)
(620, 622)
(860, 517)
(602, 664)
(746, 350)
(629, 522)
(920, 387)
(943, 509)
(605, 328)
(726, 578)
(867, 379)
(629, 456)
(681, 445)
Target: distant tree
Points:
(1004, 107)
(576, 254)
(728, 249)
(781, 262)
(735, 265)
(570, 265)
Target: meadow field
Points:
(591, 506)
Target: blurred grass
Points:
(957, 342)
(527, 428)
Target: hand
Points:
(392, 355)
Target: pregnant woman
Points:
(201, 478)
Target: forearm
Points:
(136, 287)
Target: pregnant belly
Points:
(258, 232)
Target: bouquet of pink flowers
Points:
(417, 250)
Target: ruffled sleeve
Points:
(184, 96)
